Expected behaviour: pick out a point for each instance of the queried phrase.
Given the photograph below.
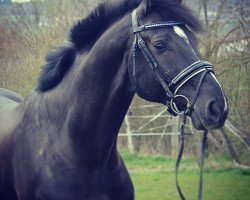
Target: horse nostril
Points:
(213, 107)
(214, 111)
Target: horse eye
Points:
(160, 46)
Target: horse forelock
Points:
(180, 12)
(173, 10)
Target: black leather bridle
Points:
(172, 86)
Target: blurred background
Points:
(30, 29)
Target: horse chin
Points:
(197, 122)
(201, 123)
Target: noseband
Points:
(172, 86)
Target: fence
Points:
(149, 129)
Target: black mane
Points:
(57, 64)
(86, 31)
(82, 36)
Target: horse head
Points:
(166, 66)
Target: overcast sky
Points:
(20, 1)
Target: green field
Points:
(154, 179)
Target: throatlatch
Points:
(171, 87)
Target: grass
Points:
(154, 179)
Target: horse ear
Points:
(147, 5)
(150, 3)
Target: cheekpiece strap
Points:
(134, 21)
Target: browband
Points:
(157, 25)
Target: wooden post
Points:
(174, 138)
(130, 137)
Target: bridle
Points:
(172, 86)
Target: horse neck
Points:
(99, 98)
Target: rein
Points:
(172, 87)
(178, 161)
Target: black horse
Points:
(59, 143)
